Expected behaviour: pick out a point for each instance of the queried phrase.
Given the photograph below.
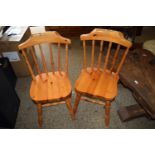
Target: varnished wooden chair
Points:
(48, 88)
(97, 82)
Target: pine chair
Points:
(48, 88)
(97, 82)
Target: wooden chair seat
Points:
(51, 88)
(97, 83)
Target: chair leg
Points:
(39, 109)
(107, 113)
(77, 100)
(69, 106)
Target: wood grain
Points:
(35, 61)
(107, 56)
(59, 58)
(46, 37)
(28, 64)
(51, 58)
(48, 88)
(101, 82)
(115, 57)
(84, 55)
(66, 59)
(141, 82)
(54, 87)
(43, 60)
(107, 35)
(100, 55)
(92, 54)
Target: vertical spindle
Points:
(92, 55)
(84, 54)
(51, 58)
(28, 64)
(115, 57)
(43, 60)
(100, 55)
(122, 61)
(107, 56)
(66, 59)
(59, 59)
(35, 61)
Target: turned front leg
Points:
(39, 109)
(107, 113)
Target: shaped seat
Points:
(51, 88)
(97, 83)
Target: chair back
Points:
(103, 36)
(37, 41)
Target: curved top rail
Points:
(107, 35)
(46, 37)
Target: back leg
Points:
(77, 100)
(107, 113)
(69, 106)
(40, 119)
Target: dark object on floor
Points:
(129, 112)
(9, 103)
(139, 76)
(8, 71)
(5, 28)
(152, 62)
